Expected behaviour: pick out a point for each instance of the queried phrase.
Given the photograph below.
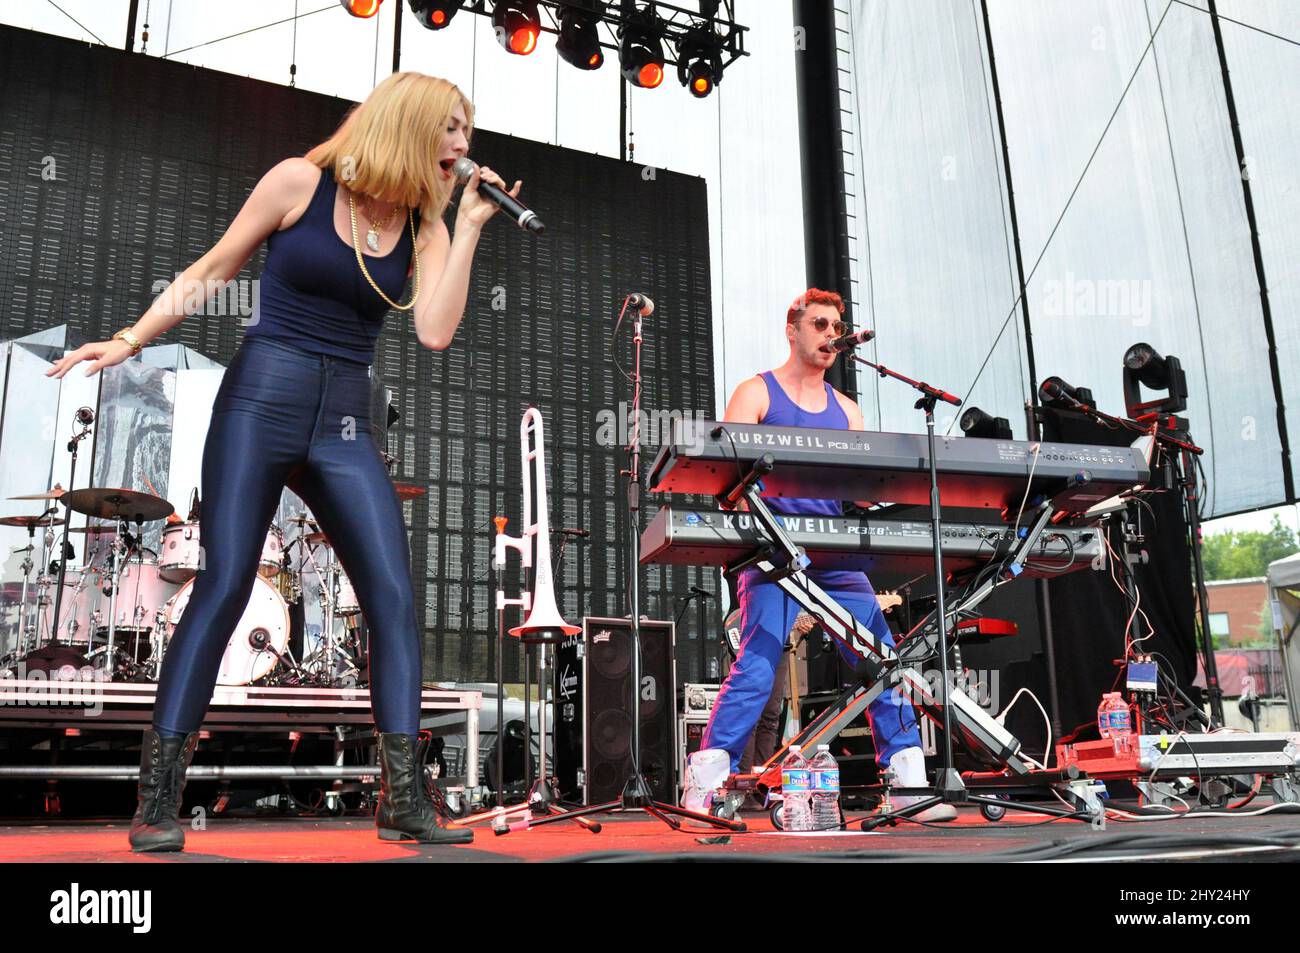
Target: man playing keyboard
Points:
(796, 395)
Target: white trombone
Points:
(543, 613)
(543, 616)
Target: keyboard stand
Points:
(880, 667)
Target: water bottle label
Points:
(1119, 720)
(795, 779)
(826, 780)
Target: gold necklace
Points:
(356, 247)
(372, 235)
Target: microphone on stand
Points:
(642, 303)
(1054, 388)
(847, 343)
(524, 217)
(569, 531)
(85, 416)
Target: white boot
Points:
(706, 772)
(909, 768)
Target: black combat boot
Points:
(163, 763)
(406, 810)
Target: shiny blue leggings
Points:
(285, 417)
(767, 615)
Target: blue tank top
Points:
(784, 412)
(312, 293)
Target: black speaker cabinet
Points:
(593, 724)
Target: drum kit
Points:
(113, 617)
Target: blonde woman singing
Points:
(342, 226)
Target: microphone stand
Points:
(636, 795)
(948, 786)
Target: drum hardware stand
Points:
(63, 543)
(321, 665)
(25, 621)
(43, 583)
(120, 556)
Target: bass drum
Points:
(260, 637)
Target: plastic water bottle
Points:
(796, 791)
(1114, 721)
(825, 790)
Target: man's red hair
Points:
(809, 297)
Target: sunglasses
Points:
(821, 323)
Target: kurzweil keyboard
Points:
(717, 538)
(707, 457)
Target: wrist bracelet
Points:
(131, 340)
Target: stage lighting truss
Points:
(699, 43)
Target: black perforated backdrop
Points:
(152, 160)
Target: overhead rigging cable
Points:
(1248, 26)
(1073, 192)
(76, 21)
(264, 26)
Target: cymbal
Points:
(99, 529)
(111, 503)
(304, 520)
(30, 521)
(53, 494)
(311, 539)
(408, 491)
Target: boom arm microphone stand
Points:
(636, 795)
(949, 786)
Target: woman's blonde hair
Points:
(388, 146)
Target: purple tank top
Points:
(312, 293)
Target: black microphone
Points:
(1056, 389)
(524, 217)
(642, 303)
(848, 342)
(701, 592)
(85, 416)
(569, 531)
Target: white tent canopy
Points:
(1284, 597)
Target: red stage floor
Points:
(353, 839)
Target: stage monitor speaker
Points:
(593, 724)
